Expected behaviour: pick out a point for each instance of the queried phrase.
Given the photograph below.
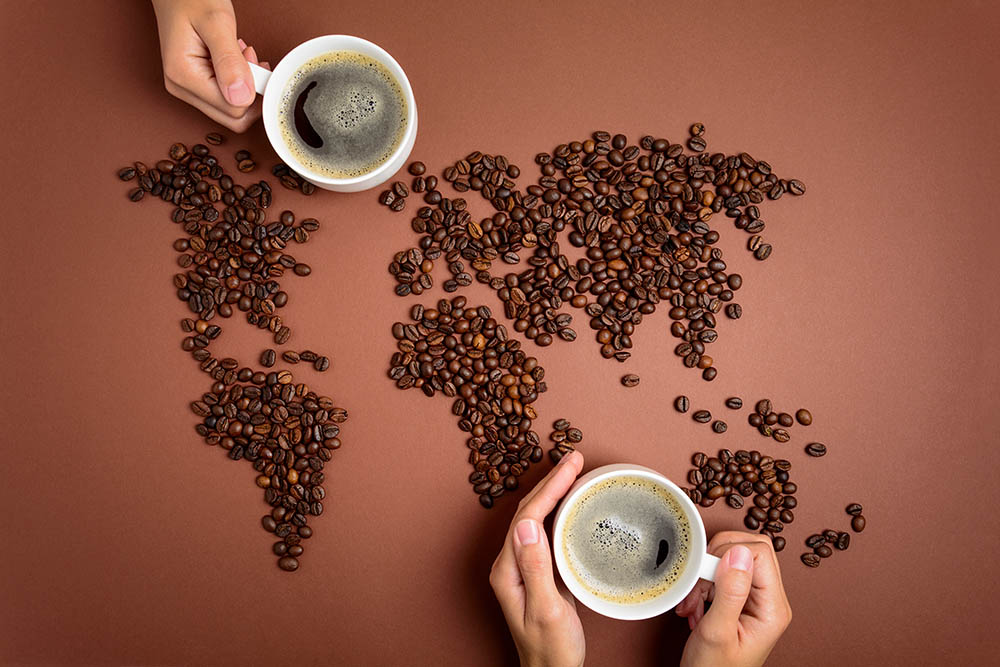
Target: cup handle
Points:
(708, 566)
(260, 77)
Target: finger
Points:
(265, 64)
(697, 595)
(766, 573)
(506, 575)
(534, 560)
(243, 45)
(732, 587)
(543, 498)
(232, 73)
(250, 55)
(240, 124)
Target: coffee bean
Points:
(734, 311)
(831, 535)
(854, 509)
(810, 559)
(697, 144)
(719, 426)
(780, 435)
(843, 541)
(823, 551)
(734, 500)
(126, 173)
(858, 523)
(778, 543)
(290, 356)
(785, 419)
(630, 380)
(682, 404)
(734, 403)
(755, 419)
(267, 358)
(803, 416)
(288, 564)
(796, 187)
(763, 407)
(214, 138)
(302, 269)
(321, 364)
(417, 168)
(763, 252)
(816, 449)
(815, 541)
(702, 416)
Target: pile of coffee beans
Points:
(639, 213)
(747, 474)
(285, 430)
(462, 352)
(565, 438)
(232, 259)
(771, 423)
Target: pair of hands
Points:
(749, 610)
(205, 63)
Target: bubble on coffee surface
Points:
(614, 535)
(342, 114)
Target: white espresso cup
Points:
(272, 84)
(700, 564)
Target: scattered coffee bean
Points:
(214, 138)
(858, 523)
(290, 356)
(816, 449)
(734, 403)
(780, 435)
(810, 560)
(719, 426)
(854, 509)
(702, 416)
(804, 417)
(288, 563)
(321, 364)
(267, 358)
(815, 540)
(417, 168)
(785, 419)
(763, 407)
(734, 311)
(630, 380)
(682, 404)
(823, 551)
(843, 541)
(778, 543)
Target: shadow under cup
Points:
(698, 562)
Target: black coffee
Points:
(342, 114)
(627, 540)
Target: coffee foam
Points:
(370, 105)
(612, 533)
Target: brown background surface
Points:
(127, 541)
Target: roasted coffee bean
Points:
(785, 419)
(290, 356)
(719, 426)
(734, 500)
(763, 251)
(823, 551)
(630, 380)
(734, 311)
(843, 541)
(854, 509)
(682, 404)
(810, 559)
(858, 523)
(214, 138)
(816, 449)
(734, 403)
(763, 407)
(755, 419)
(831, 535)
(780, 435)
(702, 416)
(417, 168)
(815, 540)
(288, 563)
(321, 364)
(778, 543)
(803, 416)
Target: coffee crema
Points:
(342, 114)
(627, 539)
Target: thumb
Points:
(732, 587)
(232, 72)
(531, 549)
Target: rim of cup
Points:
(302, 54)
(650, 608)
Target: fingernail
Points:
(242, 44)
(240, 94)
(527, 532)
(740, 558)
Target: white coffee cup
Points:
(700, 564)
(272, 84)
